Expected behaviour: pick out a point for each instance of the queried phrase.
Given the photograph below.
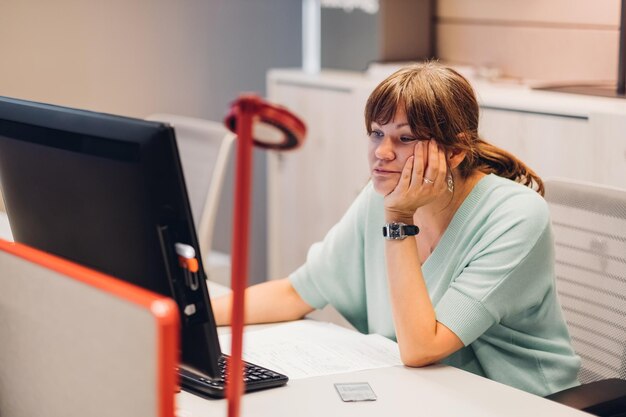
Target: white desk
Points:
(431, 391)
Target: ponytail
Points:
(490, 159)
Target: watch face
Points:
(394, 231)
(399, 231)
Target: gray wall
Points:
(252, 36)
(138, 57)
(349, 40)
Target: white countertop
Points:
(505, 94)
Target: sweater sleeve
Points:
(508, 272)
(334, 270)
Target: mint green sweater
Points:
(490, 278)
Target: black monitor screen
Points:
(107, 192)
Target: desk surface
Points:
(431, 391)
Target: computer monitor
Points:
(107, 192)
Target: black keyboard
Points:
(255, 378)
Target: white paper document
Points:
(307, 348)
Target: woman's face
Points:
(389, 147)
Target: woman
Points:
(464, 272)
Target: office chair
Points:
(589, 224)
(204, 147)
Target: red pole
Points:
(239, 271)
(244, 113)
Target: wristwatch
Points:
(399, 231)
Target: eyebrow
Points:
(397, 126)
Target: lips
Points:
(382, 171)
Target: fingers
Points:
(412, 175)
(443, 169)
(437, 168)
(415, 175)
(431, 173)
(406, 175)
(418, 171)
(423, 179)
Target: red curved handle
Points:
(293, 129)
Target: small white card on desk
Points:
(355, 391)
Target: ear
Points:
(455, 157)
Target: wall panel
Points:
(581, 12)
(532, 53)
(548, 40)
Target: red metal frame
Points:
(244, 112)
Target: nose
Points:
(385, 150)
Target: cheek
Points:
(405, 154)
(409, 151)
(371, 154)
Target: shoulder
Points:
(498, 208)
(510, 202)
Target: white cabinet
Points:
(609, 133)
(310, 188)
(588, 148)
(551, 144)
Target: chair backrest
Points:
(589, 223)
(204, 148)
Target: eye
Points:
(407, 139)
(376, 134)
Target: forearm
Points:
(268, 302)
(413, 313)
(421, 338)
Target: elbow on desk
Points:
(417, 359)
(424, 351)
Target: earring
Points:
(450, 183)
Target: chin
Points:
(383, 187)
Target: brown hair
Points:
(441, 104)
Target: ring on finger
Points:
(428, 181)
